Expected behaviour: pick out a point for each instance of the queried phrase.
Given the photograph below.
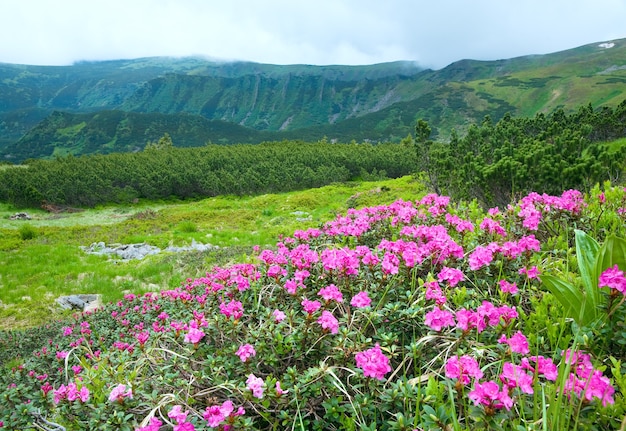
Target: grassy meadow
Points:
(41, 258)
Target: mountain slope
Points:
(377, 102)
(105, 132)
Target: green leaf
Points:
(612, 252)
(587, 253)
(567, 294)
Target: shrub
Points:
(27, 232)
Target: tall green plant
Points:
(588, 305)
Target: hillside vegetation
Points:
(162, 171)
(39, 115)
(420, 314)
(41, 259)
(493, 163)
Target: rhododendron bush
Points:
(416, 315)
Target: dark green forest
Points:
(492, 162)
(163, 171)
(497, 162)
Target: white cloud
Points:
(433, 33)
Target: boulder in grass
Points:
(88, 302)
(20, 216)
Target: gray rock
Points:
(20, 216)
(87, 302)
(195, 246)
(123, 251)
(139, 251)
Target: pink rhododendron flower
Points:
(46, 388)
(232, 309)
(331, 293)
(390, 263)
(329, 322)
(514, 376)
(517, 343)
(490, 312)
(155, 425)
(532, 272)
(613, 278)
(462, 368)
(276, 271)
(256, 385)
(507, 287)
(194, 336)
(489, 394)
(279, 390)
(185, 426)
(310, 306)
(142, 337)
(544, 366)
(83, 394)
(245, 352)
(452, 275)
(120, 392)
(279, 316)
(437, 319)
(480, 257)
(361, 300)
(585, 381)
(433, 292)
(529, 243)
(373, 362)
(177, 414)
(459, 224)
(215, 415)
(492, 227)
(291, 286)
(71, 393)
(468, 319)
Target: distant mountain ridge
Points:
(110, 106)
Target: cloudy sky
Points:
(433, 33)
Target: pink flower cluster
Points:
(424, 247)
(373, 363)
(331, 293)
(533, 205)
(517, 343)
(245, 352)
(361, 300)
(328, 322)
(613, 278)
(180, 417)
(154, 425)
(463, 368)
(119, 393)
(217, 415)
(585, 381)
(490, 395)
(256, 385)
(71, 393)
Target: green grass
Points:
(41, 259)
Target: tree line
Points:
(162, 171)
(495, 163)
